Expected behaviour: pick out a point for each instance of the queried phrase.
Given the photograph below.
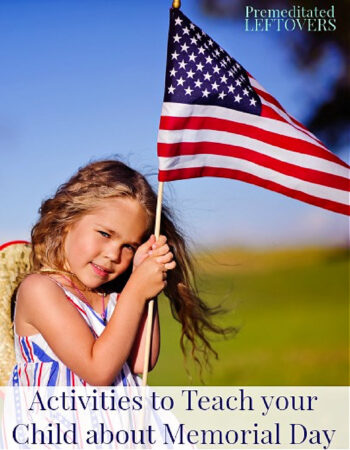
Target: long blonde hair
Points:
(111, 178)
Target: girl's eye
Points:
(104, 234)
(130, 247)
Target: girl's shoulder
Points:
(38, 287)
(35, 293)
(37, 282)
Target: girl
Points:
(80, 316)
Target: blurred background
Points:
(84, 80)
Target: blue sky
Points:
(85, 79)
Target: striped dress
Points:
(37, 364)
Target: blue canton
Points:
(200, 72)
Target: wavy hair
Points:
(81, 194)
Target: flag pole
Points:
(175, 5)
(151, 302)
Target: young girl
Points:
(80, 316)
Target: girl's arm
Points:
(136, 359)
(44, 306)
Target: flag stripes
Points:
(273, 109)
(191, 145)
(179, 174)
(172, 112)
(232, 163)
(303, 173)
(277, 145)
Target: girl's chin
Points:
(91, 282)
(96, 282)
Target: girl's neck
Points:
(87, 299)
(73, 281)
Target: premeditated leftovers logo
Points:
(296, 18)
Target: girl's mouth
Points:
(100, 271)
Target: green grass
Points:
(292, 311)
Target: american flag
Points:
(218, 121)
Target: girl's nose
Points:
(113, 252)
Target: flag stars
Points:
(215, 86)
(207, 76)
(180, 81)
(184, 47)
(252, 102)
(207, 71)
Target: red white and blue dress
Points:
(37, 364)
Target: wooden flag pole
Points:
(176, 5)
(151, 302)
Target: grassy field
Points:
(292, 311)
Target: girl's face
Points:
(101, 245)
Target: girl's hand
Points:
(161, 251)
(151, 246)
(143, 251)
(150, 275)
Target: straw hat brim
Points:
(14, 265)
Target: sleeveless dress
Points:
(37, 364)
